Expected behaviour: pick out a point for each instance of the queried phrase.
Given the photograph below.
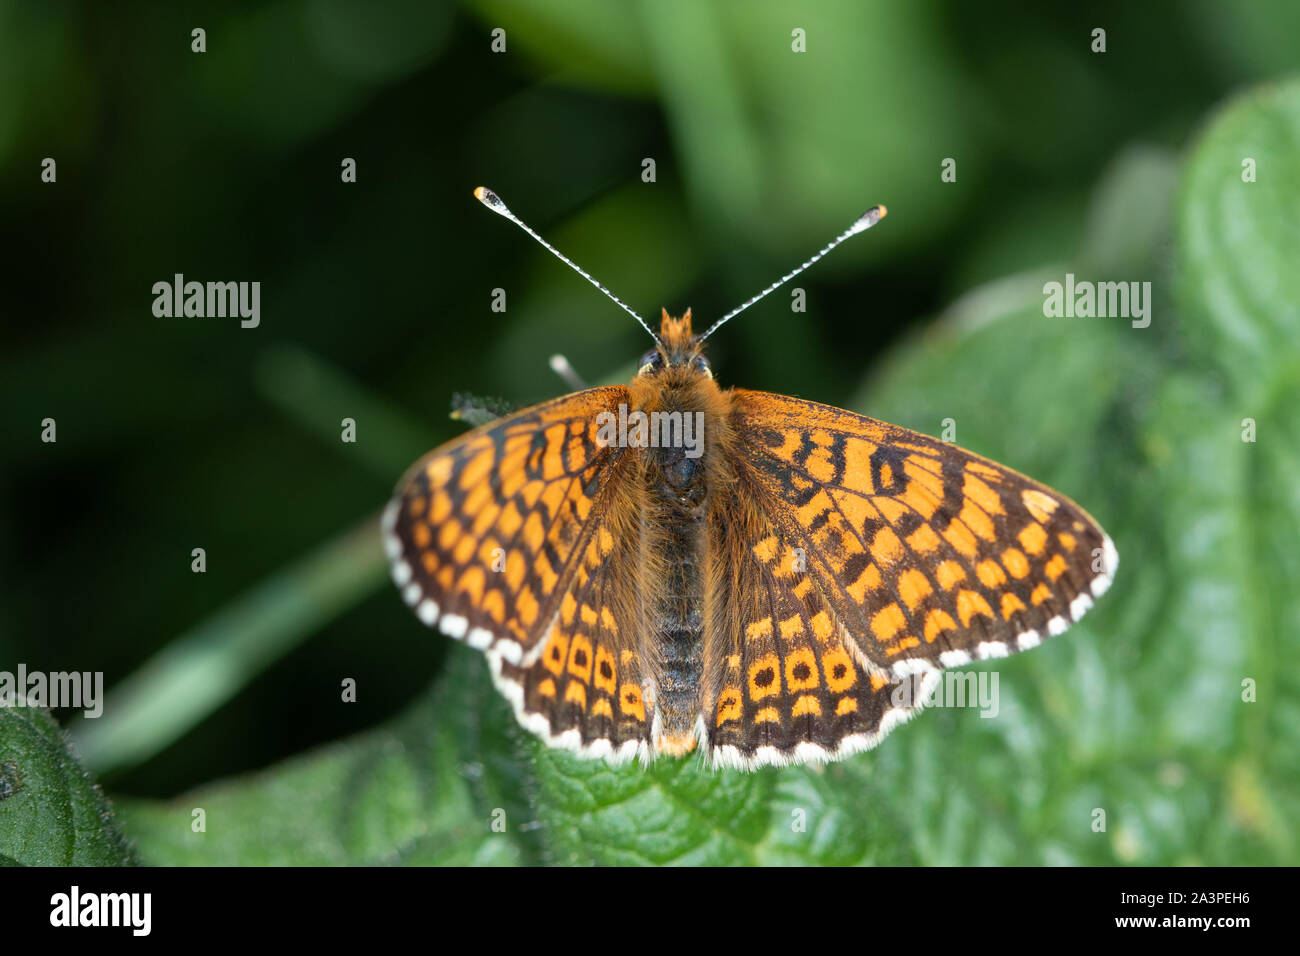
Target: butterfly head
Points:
(677, 348)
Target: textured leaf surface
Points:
(51, 812)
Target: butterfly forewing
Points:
(487, 533)
(931, 556)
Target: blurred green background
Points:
(182, 433)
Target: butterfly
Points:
(668, 566)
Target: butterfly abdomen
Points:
(677, 492)
(679, 627)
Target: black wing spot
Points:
(908, 522)
(855, 565)
(953, 474)
(887, 476)
(536, 451)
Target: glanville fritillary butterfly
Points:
(662, 566)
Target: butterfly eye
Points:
(652, 361)
(701, 364)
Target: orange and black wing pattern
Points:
(585, 692)
(782, 683)
(929, 556)
(508, 538)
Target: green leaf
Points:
(52, 813)
(425, 790)
(1239, 275)
(1230, 453)
(1131, 210)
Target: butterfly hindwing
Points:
(585, 691)
(930, 555)
(781, 683)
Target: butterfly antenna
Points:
(861, 224)
(490, 199)
(561, 367)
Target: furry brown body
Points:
(674, 517)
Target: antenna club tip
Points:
(490, 199)
(868, 219)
